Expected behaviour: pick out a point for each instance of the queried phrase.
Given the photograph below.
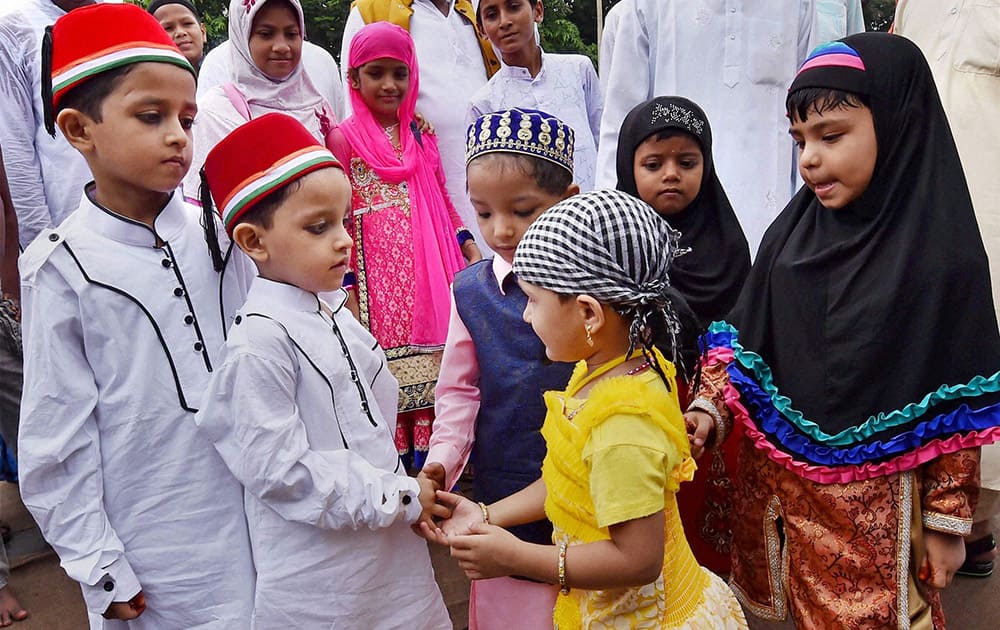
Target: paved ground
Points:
(55, 602)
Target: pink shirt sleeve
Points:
(456, 401)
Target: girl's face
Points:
(276, 40)
(668, 172)
(510, 24)
(185, 29)
(383, 84)
(837, 152)
(559, 323)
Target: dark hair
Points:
(549, 176)
(684, 344)
(818, 100)
(89, 96)
(262, 214)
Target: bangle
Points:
(464, 235)
(486, 512)
(703, 404)
(563, 588)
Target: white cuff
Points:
(118, 584)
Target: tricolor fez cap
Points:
(258, 158)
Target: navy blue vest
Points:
(513, 374)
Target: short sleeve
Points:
(630, 460)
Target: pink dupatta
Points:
(436, 255)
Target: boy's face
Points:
(668, 172)
(307, 244)
(557, 322)
(183, 26)
(506, 200)
(143, 142)
(837, 153)
(276, 40)
(510, 24)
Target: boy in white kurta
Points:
(302, 407)
(124, 315)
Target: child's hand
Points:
(945, 554)
(424, 124)
(435, 472)
(699, 427)
(428, 503)
(487, 551)
(471, 252)
(464, 514)
(127, 610)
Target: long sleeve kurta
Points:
(800, 546)
(566, 87)
(302, 409)
(122, 327)
(45, 173)
(735, 59)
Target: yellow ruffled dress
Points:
(618, 455)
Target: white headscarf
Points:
(294, 95)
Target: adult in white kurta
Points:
(736, 60)
(608, 36)
(451, 70)
(319, 65)
(45, 173)
(836, 19)
(302, 409)
(961, 40)
(122, 326)
(566, 87)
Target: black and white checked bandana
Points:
(609, 245)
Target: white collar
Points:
(169, 222)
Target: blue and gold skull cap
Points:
(522, 131)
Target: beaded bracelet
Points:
(563, 587)
(486, 512)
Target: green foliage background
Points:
(569, 25)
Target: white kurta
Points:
(451, 70)
(961, 40)
(302, 409)
(318, 63)
(566, 87)
(120, 336)
(836, 19)
(608, 36)
(736, 60)
(46, 174)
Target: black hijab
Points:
(711, 275)
(863, 310)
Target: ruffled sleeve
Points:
(950, 492)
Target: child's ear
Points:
(247, 237)
(592, 312)
(572, 189)
(76, 127)
(354, 78)
(539, 12)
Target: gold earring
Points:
(590, 340)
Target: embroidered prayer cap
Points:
(833, 63)
(244, 168)
(524, 131)
(95, 39)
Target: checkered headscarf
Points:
(613, 247)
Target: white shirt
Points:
(318, 63)
(45, 173)
(451, 70)
(566, 87)
(120, 336)
(302, 409)
(611, 23)
(836, 19)
(736, 60)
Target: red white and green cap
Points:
(258, 158)
(101, 37)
